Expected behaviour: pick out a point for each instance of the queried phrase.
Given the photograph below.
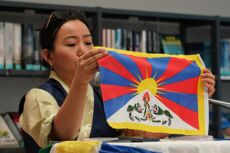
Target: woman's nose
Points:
(81, 49)
(79, 53)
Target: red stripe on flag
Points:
(113, 91)
(188, 86)
(185, 114)
(116, 67)
(175, 65)
(143, 65)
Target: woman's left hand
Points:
(209, 81)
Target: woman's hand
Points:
(209, 81)
(87, 64)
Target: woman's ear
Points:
(46, 55)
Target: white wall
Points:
(198, 7)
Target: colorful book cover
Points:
(154, 92)
(172, 44)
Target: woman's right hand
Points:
(87, 64)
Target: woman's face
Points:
(72, 40)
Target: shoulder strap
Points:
(53, 87)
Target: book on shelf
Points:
(2, 45)
(104, 36)
(7, 139)
(225, 58)
(37, 48)
(28, 46)
(9, 45)
(124, 39)
(156, 42)
(118, 35)
(129, 40)
(17, 48)
(12, 120)
(133, 40)
(171, 44)
(149, 42)
(143, 41)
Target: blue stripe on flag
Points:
(113, 105)
(159, 66)
(128, 63)
(186, 100)
(190, 71)
(112, 78)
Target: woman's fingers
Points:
(89, 61)
(209, 81)
(94, 54)
(211, 89)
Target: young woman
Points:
(66, 107)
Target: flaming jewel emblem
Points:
(144, 112)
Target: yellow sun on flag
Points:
(147, 84)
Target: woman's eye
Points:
(70, 45)
(89, 43)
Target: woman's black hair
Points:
(53, 24)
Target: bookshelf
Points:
(224, 28)
(24, 73)
(190, 28)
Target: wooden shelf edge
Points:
(24, 73)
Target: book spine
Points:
(157, 46)
(112, 38)
(118, 35)
(143, 41)
(28, 46)
(108, 38)
(149, 42)
(129, 40)
(9, 45)
(136, 40)
(17, 46)
(124, 39)
(36, 63)
(104, 35)
(2, 45)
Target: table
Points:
(183, 146)
(178, 146)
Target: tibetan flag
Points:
(154, 92)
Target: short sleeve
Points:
(39, 111)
